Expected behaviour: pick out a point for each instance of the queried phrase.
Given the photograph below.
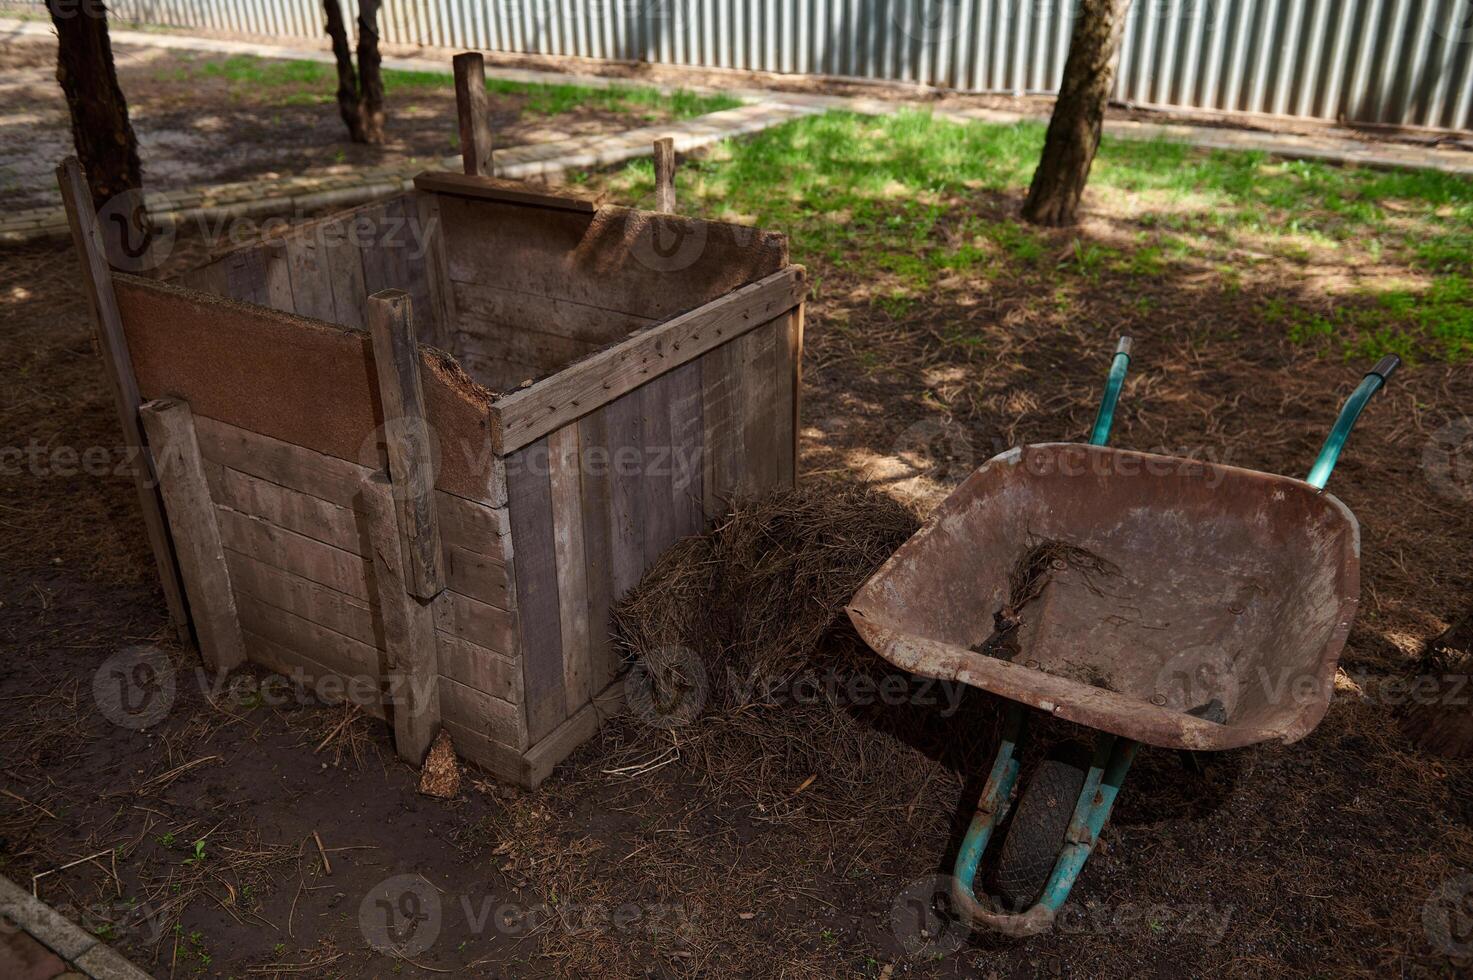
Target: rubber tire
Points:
(1039, 825)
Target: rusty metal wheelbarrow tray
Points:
(1230, 584)
(1185, 605)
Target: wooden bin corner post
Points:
(408, 559)
(474, 109)
(98, 283)
(665, 174)
(191, 512)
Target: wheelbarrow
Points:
(1155, 599)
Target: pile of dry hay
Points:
(744, 648)
(759, 594)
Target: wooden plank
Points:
(665, 174)
(321, 563)
(793, 363)
(466, 523)
(307, 515)
(311, 280)
(339, 653)
(721, 419)
(757, 365)
(246, 276)
(487, 310)
(474, 111)
(302, 597)
(626, 492)
(687, 435)
(480, 667)
(561, 743)
(118, 366)
(598, 545)
(278, 276)
(326, 682)
(429, 232)
(489, 626)
(344, 263)
(477, 576)
(208, 278)
(396, 357)
(640, 262)
(529, 496)
(572, 589)
(413, 669)
(501, 761)
(191, 514)
(488, 188)
(531, 413)
(547, 353)
(478, 711)
(656, 469)
(306, 382)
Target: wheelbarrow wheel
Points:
(1040, 823)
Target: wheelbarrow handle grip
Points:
(1105, 417)
(1324, 464)
(1386, 367)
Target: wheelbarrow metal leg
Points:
(1112, 760)
(994, 800)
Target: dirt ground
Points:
(729, 847)
(197, 124)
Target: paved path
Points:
(38, 943)
(764, 108)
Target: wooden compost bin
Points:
(595, 383)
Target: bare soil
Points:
(195, 127)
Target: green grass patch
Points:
(907, 200)
(313, 82)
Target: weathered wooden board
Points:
(529, 501)
(191, 515)
(312, 641)
(477, 711)
(322, 680)
(570, 394)
(311, 516)
(474, 111)
(489, 188)
(470, 524)
(656, 474)
(118, 365)
(335, 568)
(530, 349)
(687, 447)
(763, 405)
(488, 626)
(572, 571)
(304, 598)
(268, 372)
(627, 500)
(595, 503)
(486, 309)
(721, 419)
(638, 262)
(412, 668)
(480, 667)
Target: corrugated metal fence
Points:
(1407, 62)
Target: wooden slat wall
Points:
(294, 531)
(596, 503)
(327, 268)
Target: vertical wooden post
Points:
(795, 356)
(474, 110)
(97, 280)
(407, 433)
(176, 456)
(665, 174)
(409, 628)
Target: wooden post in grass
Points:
(181, 470)
(98, 284)
(474, 110)
(413, 666)
(665, 175)
(407, 433)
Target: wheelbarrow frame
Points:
(1112, 753)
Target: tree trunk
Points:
(347, 80)
(104, 138)
(371, 109)
(1079, 114)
